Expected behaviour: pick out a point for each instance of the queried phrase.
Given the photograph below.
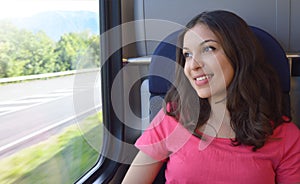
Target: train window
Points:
(50, 97)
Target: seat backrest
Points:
(162, 71)
(276, 56)
(162, 68)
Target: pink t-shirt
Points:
(215, 160)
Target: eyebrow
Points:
(205, 41)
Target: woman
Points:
(223, 122)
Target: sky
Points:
(27, 8)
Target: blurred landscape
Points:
(56, 23)
(47, 42)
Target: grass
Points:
(61, 159)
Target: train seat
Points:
(276, 56)
(162, 70)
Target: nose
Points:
(197, 62)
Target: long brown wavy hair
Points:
(254, 95)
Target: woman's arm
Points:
(142, 170)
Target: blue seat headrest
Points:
(162, 67)
(276, 56)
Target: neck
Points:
(218, 124)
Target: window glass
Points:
(50, 101)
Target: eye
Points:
(187, 54)
(208, 49)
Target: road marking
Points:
(30, 101)
(54, 125)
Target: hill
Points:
(56, 23)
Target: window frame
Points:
(110, 17)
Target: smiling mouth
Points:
(204, 77)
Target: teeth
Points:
(202, 78)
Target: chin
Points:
(204, 95)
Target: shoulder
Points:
(289, 136)
(160, 128)
(288, 170)
(167, 129)
(163, 121)
(163, 135)
(287, 130)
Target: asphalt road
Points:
(29, 107)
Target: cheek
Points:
(229, 75)
(186, 70)
(223, 69)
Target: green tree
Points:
(78, 50)
(4, 59)
(40, 49)
(95, 49)
(8, 48)
(24, 53)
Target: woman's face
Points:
(207, 67)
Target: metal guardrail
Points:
(47, 75)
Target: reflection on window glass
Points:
(50, 101)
